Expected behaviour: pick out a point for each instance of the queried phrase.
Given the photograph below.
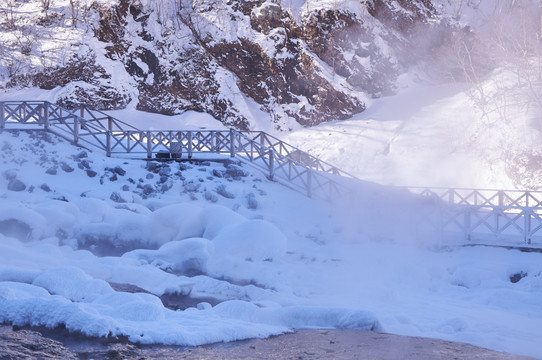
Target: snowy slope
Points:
(434, 135)
(247, 257)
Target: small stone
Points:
(51, 170)
(66, 167)
(236, 171)
(211, 196)
(16, 185)
(45, 188)
(203, 306)
(113, 178)
(517, 277)
(231, 161)
(125, 188)
(166, 187)
(218, 173)
(166, 170)
(153, 167)
(81, 155)
(10, 174)
(149, 176)
(86, 164)
(163, 179)
(184, 166)
(148, 189)
(252, 203)
(191, 187)
(115, 196)
(221, 190)
(91, 173)
(118, 170)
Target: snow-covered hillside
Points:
(435, 136)
(287, 63)
(199, 252)
(193, 253)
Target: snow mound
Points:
(258, 240)
(180, 256)
(72, 283)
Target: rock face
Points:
(307, 65)
(26, 344)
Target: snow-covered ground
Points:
(257, 258)
(434, 136)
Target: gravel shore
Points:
(300, 345)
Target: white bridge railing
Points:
(481, 215)
(92, 128)
(513, 216)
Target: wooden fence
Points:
(478, 214)
(486, 215)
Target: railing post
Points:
(232, 145)
(75, 129)
(82, 111)
(108, 133)
(271, 165)
(527, 226)
(149, 145)
(498, 211)
(2, 116)
(189, 135)
(467, 223)
(309, 183)
(213, 141)
(108, 143)
(46, 115)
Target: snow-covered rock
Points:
(242, 62)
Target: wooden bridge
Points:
(513, 217)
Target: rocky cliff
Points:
(234, 59)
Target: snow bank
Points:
(258, 240)
(181, 256)
(72, 283)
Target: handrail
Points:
(479, 213)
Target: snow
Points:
(288, 262)
(267, 260)
(428, 135)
